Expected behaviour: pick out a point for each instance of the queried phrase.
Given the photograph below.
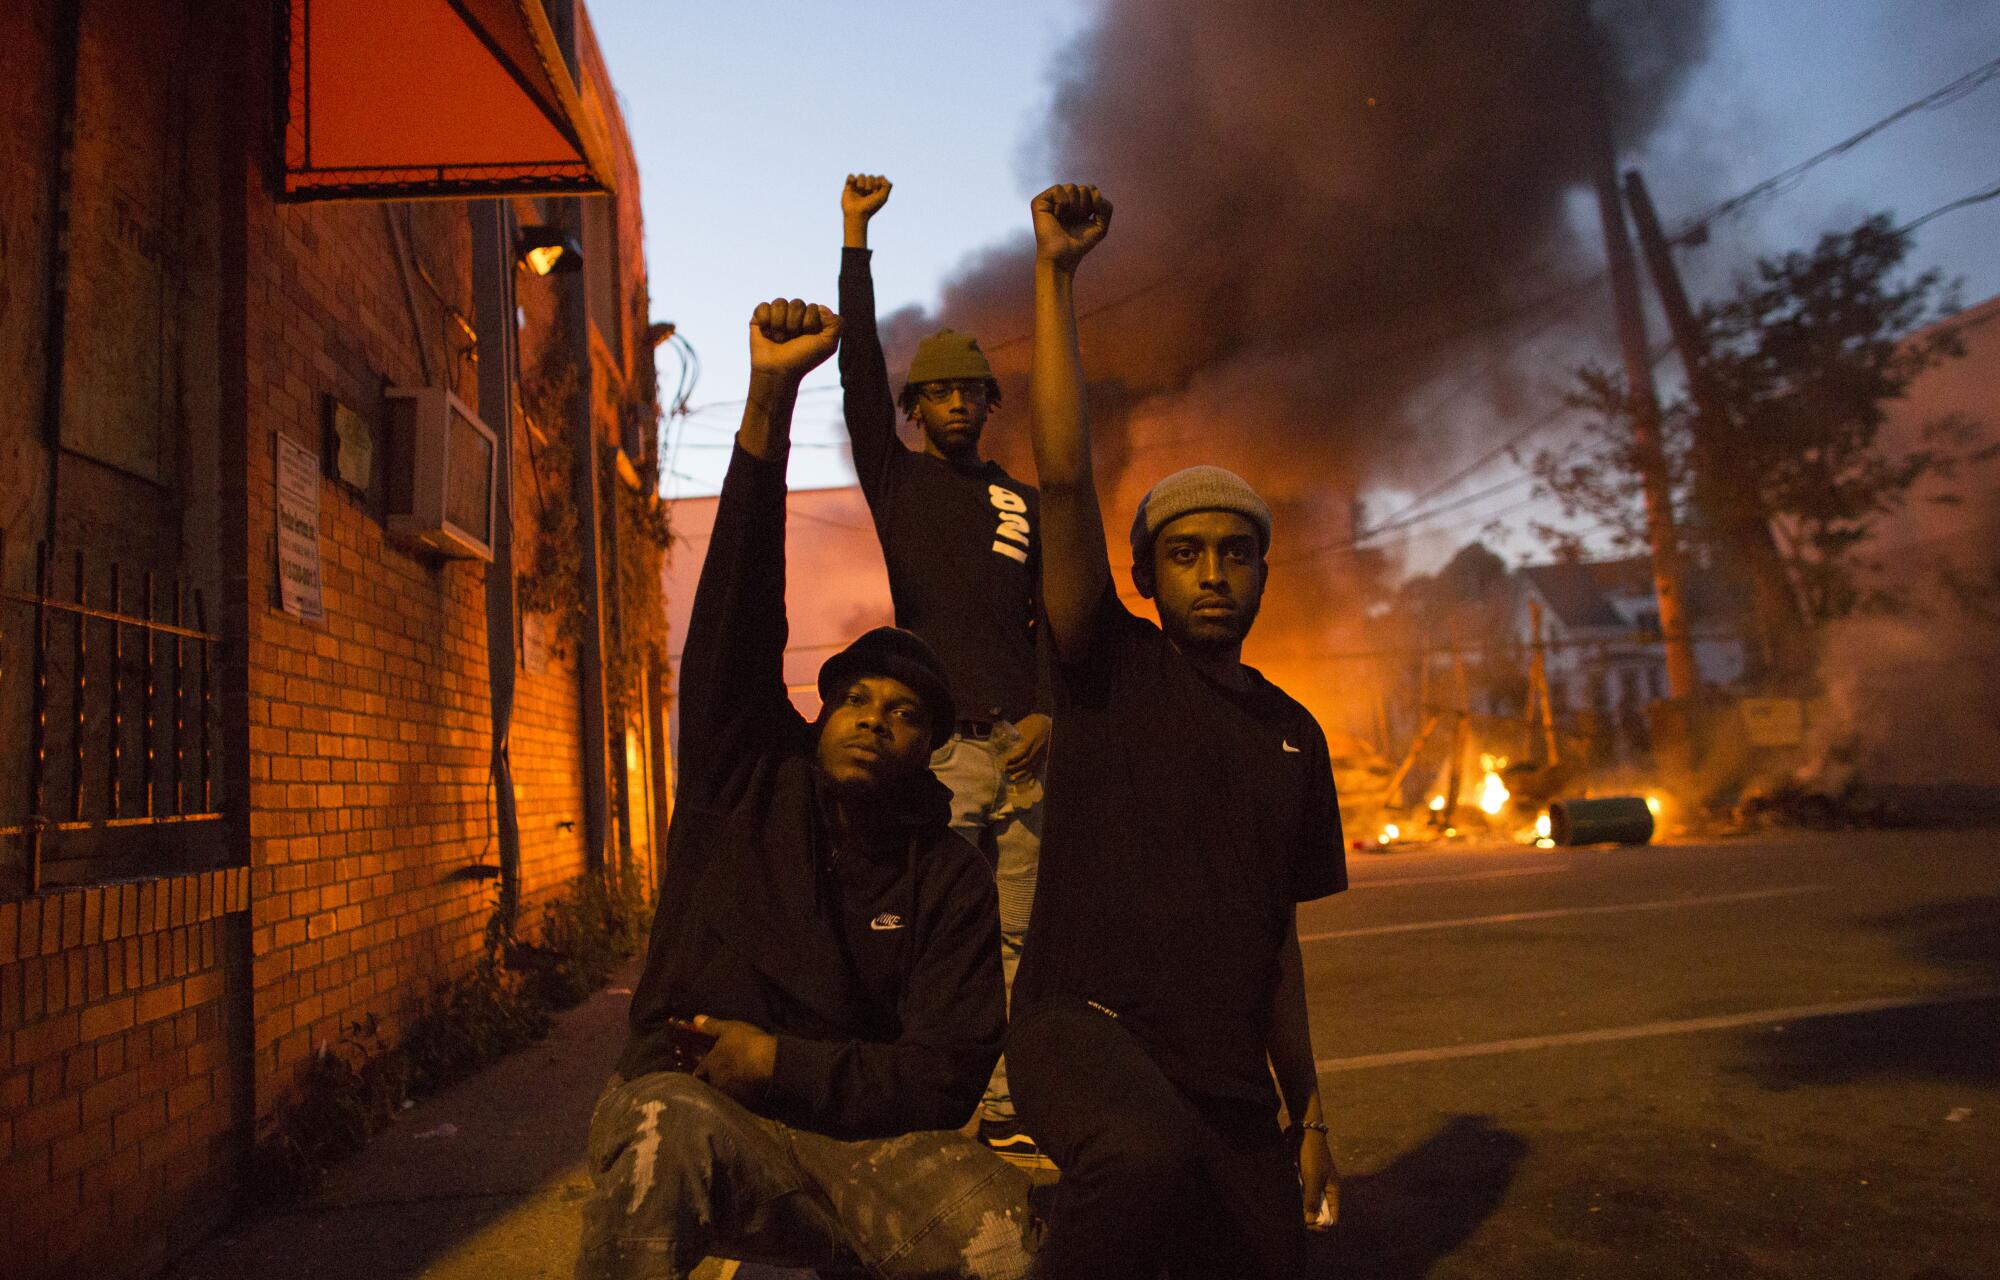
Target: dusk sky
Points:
(747, 117)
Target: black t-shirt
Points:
(962, 544)
(1184, 821)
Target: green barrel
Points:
(1608, 820)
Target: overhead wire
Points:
(1770, 187)
(708, 406)
(1571, 292)
(1784, 180)
(684, 385)
(1774, 185)
(1362, 540)
(1963, 202)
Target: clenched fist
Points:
(1069, 221)
(864, 195)
(741, 1062)
(788, 338)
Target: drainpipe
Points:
(574, 330)
(493, 318)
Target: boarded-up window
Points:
(123, 329)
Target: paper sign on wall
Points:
(298, 532)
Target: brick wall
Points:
(123, 1091)
(146, 1027)
(369, 796)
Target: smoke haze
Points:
(1321, 208)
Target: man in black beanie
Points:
(1191, 807)
(821, 1002)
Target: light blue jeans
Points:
(1010, 835)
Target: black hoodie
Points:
(878, 971)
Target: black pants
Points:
(1152, 1179)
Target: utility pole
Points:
(1642, 399)
(1741, 517)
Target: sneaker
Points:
(1005, 1139)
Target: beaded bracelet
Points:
(1316, 1126)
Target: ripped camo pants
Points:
(681, 1171)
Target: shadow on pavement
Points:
(1958, 1043)
(1400, 1221)
(1962, 934)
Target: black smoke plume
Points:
(1322, 209)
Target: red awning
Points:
(434, 98)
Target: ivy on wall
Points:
(552, 583)
(641, 633)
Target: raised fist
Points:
(789, 337)
(1069, 221)
(864, 195)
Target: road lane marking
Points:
(1450, 877)
(1556, 913)
(1683, 1026)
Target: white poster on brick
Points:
(298, 532)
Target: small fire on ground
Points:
(1495, 802)
(1493, 793)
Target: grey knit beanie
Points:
(1202, 488)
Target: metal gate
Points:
(122, 723)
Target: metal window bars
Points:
(175, 740)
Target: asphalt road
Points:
(1773, 1057)
(1758, 1058)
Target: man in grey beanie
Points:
(1191, 805)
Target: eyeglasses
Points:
(939, 392)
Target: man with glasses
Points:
(960, 539)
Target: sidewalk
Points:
(484, 1181)
(481, 1182)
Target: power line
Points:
(1786, 179)
(1404, 518)
(1473, 468)
(809, 517)
(1467, 500)
(796, 444)
(708, 405)
(1774, 185)
(1963, 202)
(1157, 282)
(1360, 541)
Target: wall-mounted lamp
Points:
(657, 332)
(544, 250)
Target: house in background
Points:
(1600, 625)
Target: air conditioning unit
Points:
(446, 468)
